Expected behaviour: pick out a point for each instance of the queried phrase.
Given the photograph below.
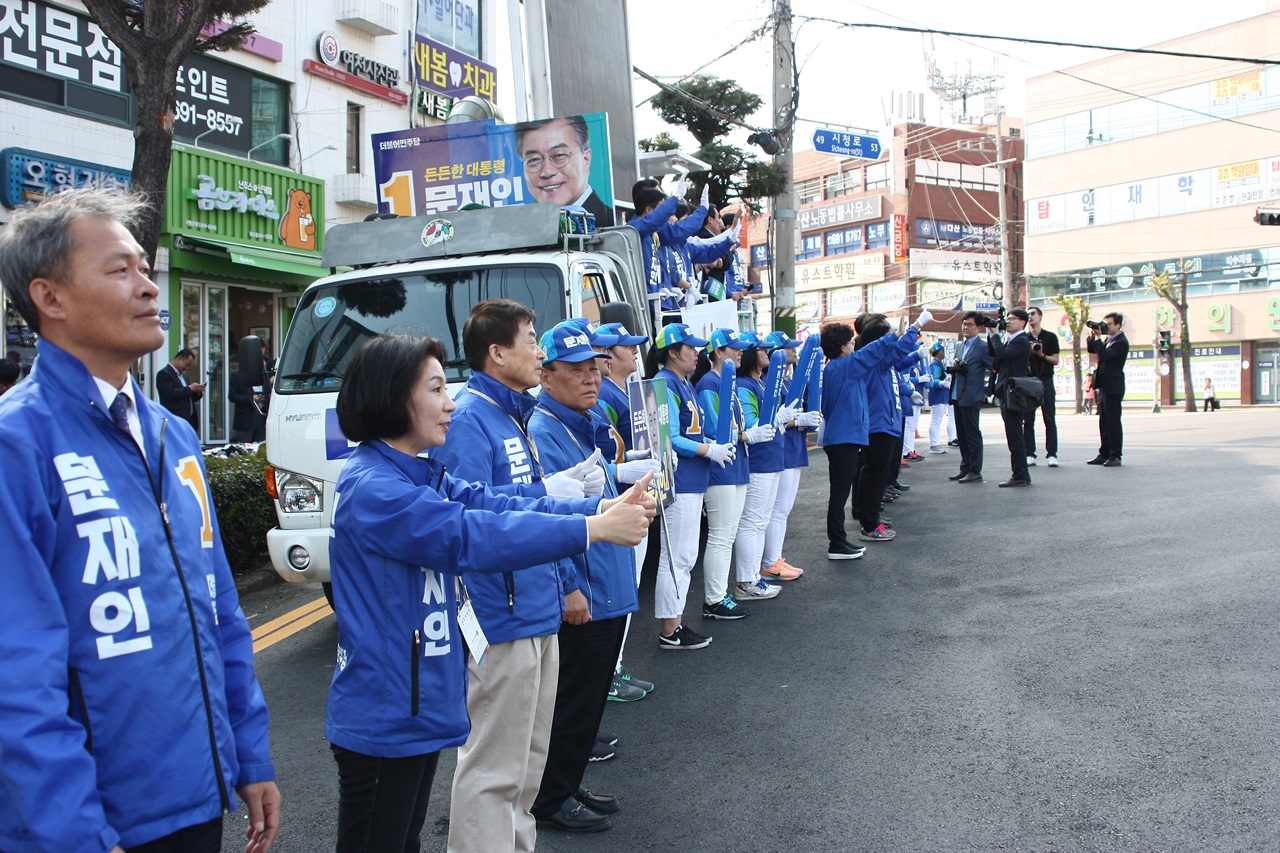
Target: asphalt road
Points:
(1086, 664)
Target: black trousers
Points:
(588, 656)
(843, 461)
(970, 436)
(1049, 412)
(382, 802)
(1109, 427)
(875, 472)
(891, 473)
(1014, 424)
(201, 838)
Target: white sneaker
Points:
(757, 591)
(1053, 461)
(1031, 462)
(937, 448)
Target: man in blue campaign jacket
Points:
(512, 694)
(130, 706)
(564, 425)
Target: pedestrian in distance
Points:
(131, 712)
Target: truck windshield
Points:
(333, 321)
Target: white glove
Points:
(809, 420)
(706, 196)
(916, 398)
(925, 317)
(631, 472)
(633, 455)
(721, 454)
(736, 230)
(759, 433)
(588, 473)
(682, 185)
(946, 383)
(561, 485)
(786, 415)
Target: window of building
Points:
(878, 176)
(810, 190)
(878, 235)
(843, 240)
(844, 183)
(810, 247)
(270, 107)
(355, 114)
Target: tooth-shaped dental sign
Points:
(455, 73)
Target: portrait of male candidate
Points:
(557, 164)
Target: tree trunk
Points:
(152, 151)
(1079, 370)
(1186, 356)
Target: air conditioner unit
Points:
(375, 17)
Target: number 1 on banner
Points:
(397, 193)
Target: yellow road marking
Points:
(283, 627)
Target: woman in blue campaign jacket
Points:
(129, 703)
(766, 449)
(795, 456)
(403, 533)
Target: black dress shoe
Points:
(1113, 462)
(1097, 460)
(970, 478)
(959, 476)
(1010, 483)
(573, 816)
(902, 487)
(602, 803)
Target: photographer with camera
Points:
(1112, 352)
(1044, 357)
(968, 374)
(1013, 357)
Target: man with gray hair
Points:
(131, 710)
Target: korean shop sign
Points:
(355, 70)
(451, 72)
(31, 175)
(215, 99)
(249, 203)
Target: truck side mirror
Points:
(251, 361)
(620, 312)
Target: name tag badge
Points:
(472, 633)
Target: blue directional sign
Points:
(858, 145)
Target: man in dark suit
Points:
(1013, 357)
(1111, 347)
(176, 393)
(968, 388)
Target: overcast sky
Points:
(849, 75)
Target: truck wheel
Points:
(328, 595)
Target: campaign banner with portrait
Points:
(430, 170)
(651, 431)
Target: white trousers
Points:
(940, 411)
(724, 511)
(909, 435)
(776, 533)
(682, 522)
(762, 493)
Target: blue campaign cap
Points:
(678, 333)
(625, 338)
(602, 337)
(568, 342)
(779, 340)
(728, 338)
(937, 347)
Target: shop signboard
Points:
(243, 203)
(31, 175)
(954, 296)
(429, 170)
(956, 266)
(446, 71)
(853, 210)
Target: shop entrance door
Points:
(1266, 376)
(204, 330)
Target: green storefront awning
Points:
(277, 261)
(237, 261)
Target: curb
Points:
(256, 579)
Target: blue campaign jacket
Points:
(616, 405)
(647, 225)
(795, 449)
(939, 394)
(693, 472)
(884, 400)
(766, 456)
(738, 472)
(487, 444)
(606, 573)
(111, 618)
(845, 383)
(403, 530)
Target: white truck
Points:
(419, 275)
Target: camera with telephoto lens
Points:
(1096, 325)
(957, 368)
(989, 322)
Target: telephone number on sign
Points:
(213, 119)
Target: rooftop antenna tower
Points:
(962, 91)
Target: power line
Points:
(1050, 42)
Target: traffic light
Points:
(770, 146)
(1268, 214)
(1164, 341)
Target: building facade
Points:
(1141, 165)
(918, 227)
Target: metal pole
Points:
(784, 204)
(542, 102)
(1006, 269)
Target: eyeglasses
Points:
(559, 159)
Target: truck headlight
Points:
(299, 493)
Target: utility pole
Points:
(784, 204)
(1006, 267)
